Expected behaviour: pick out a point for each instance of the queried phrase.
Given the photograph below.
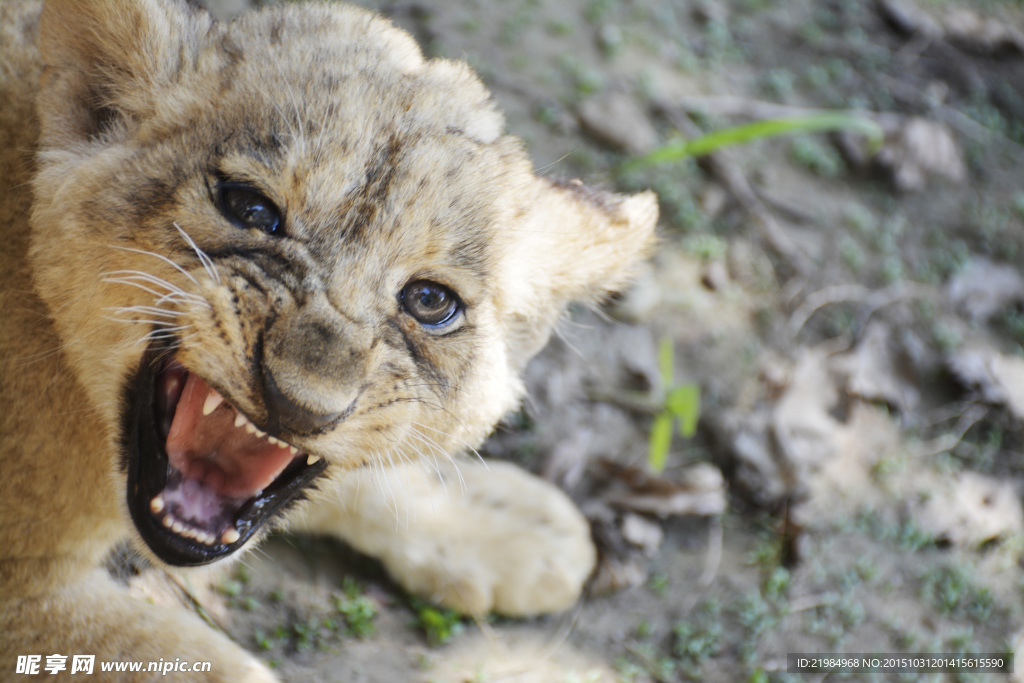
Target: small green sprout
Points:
(759, 130)
(682, 403)
(439, 625)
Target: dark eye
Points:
(247, 208)
(431, 304)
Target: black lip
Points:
(147, 467)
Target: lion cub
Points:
(249, 270)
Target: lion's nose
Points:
(288, 413)
(311, 371)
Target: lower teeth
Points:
(230, 535)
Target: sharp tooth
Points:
(213, 399)
(229, 536)
(259, 433)
(250, 427)
(168, 521)
(157, 504)
(274, 440)
(312, 459)
(294, 450)
(240, 419)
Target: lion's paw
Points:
(479, 539)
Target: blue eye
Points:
(247, 208)
(430, 304)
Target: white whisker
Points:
(434, 446)
(203, 258)
(401, 487)
(135, 277)
(162, 258)
(149, 310)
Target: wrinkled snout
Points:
(313, 366)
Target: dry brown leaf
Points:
(622, 554)
(697, 490)
(876, 370)
(788, 435)
(970, 510)
(917, 149)
(615, 119)
(910, 19)
(982, 34)
(996, 377)
(983, 289)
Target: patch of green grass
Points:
(852, 254)
(512, 29)
(952, 591)
(706, 247)
(693, 643)
(357, 610)
(816, 157)
(658, 583)
(778, 84)
(559, 27)
(597, 11)
(757, 617)
(643, 629)
(438, 625)
(1011, 321)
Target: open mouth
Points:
(202, 478)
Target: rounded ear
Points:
(105, 58)
(569, 243)
(595, 239)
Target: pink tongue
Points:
(210, 449)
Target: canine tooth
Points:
(240, 420)
(157, 504)
(168, 521)
(312, 459)
(294, 450)
(213, 399)
(229, 536)
(250, 427)
(259, 433)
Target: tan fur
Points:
(389, 168)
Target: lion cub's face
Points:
(289, 247)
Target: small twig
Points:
(712, 562)
(948, 442)
(194, 601)
(714, 557)
(795, 212)
(633, 401)
(821, 298)
(957, 120)
(872, 300)
(809, 602)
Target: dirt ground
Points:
(854, 321)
